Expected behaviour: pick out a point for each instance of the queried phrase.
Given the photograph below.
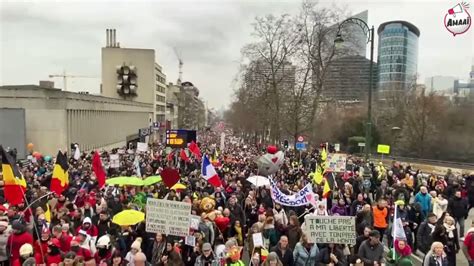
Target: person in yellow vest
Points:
(380, 214)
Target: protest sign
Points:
(142, 147)
(301, 198)
(257, 240)
(330, 229)
(168, 217)
(383, 149)
(114, 161)
(194, 222)
(190, 241)
(336, 162)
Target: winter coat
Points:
(286, 259)
(457, 207)
(424, 237)
(368, 253)
(324, 256)
(302, 257)
(15, 241)
(294, 235)
(340, 210)
(201, 261)
(425, 202)
(430, 260)
(440, 206)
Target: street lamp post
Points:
(369, 31)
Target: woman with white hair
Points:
(447, 233)
(436, 256)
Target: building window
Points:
(160, 108)
(160, 98)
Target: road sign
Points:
(361, 144)
(300, 139)
(300, 146)
(383, 149)
(156, 126)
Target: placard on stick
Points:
(330, 229)
(168, 217)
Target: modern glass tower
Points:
(397, 55)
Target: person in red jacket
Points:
(82, 253)
(54, 253)
(63, 237)
(90, 229)
(40, 246)
(18, 237)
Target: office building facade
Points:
(397, 55)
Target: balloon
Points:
(30, 146)
(47, 158)
(37, 155)
(272, 149)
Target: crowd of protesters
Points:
(80, 230)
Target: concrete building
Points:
(160, 95)
(348, 79)
(440, 84)
(52, 119)
(191, 113)
(172, 106)
(137, 70)
(397, 55)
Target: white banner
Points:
(330, 229)
(337, 162)
(114, 161)
(168, 217)
(142, 146)
(301, 198)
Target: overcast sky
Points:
(39, 38)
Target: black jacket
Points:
(457, 207)
(324, 256)
(424, 237)
(287, 260)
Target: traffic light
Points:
(127, 80)
(285, 144)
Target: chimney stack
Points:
(113, 39)
(107, 38)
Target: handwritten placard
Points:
(330, 229)
(168, 217)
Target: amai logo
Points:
(458, 20)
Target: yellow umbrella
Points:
(178, 186)
(128, 217)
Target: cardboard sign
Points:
(194, 222)
(114, 161)
(383, 149)
(190, 241)
(337, 162)
(142, 147)
(257, 240)
(330, 229)
(168, 217)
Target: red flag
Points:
(194, 148)
(98, 169)
(170, 156)
(184, 156)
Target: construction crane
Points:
(180, 60)
(66, 76)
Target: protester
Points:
(285, 254)
(305, 253)
(458, 209)
(425, 233)
(371, 250)
(447, 233)
(400, 254)
(332, 255)
(468, 245)
(436, 256)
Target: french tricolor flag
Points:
(209, 173)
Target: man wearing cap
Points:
(3, 242)
(18, 237)
(207, 257)
(371, 250)
(54, 253)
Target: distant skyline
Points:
(43, 37)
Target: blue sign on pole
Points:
(300, 146)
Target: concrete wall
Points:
(55, 119)
(142, 59)
(12, 130)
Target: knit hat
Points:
(137, 244)
(26, 250)
(206, 246)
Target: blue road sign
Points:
(300, 146)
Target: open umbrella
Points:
(178, 186)
(128, 217)
(259, 181)
(125, 180)
(151, 180)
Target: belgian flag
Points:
(13, 180)
(60, 179)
